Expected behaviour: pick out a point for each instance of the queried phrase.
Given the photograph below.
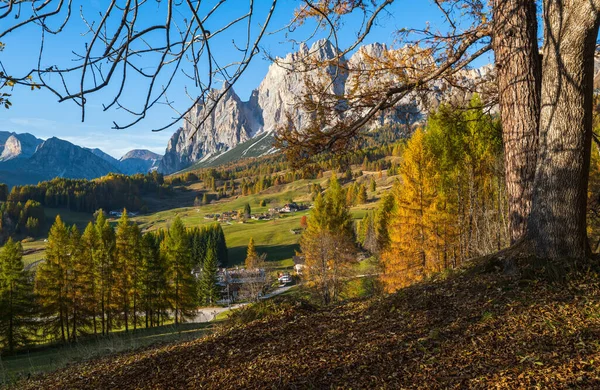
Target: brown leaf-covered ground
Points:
(468, 330)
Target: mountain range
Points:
(234, 122)
(25, 159)
(234, 128)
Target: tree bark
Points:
(557, 224)
(518, 68)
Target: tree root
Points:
(521, 262)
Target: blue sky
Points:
(40, 114)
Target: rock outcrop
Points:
(19, 146)
(234, 121)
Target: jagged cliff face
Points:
(19, 146)
(285, 83)
(234, 122)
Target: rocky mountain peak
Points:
(234, 121)
(19, 146)
(141, 154)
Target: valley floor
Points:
(471, 329)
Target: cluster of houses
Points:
(232, 281)
(275, 212)
(289, 208)
(119, 214)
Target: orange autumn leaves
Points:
(449, 205)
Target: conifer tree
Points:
(251, 256)
(382, 218)
(52, 282)
(128, 266)
(328, 242)
(16, 298)
(208, 288)
(361, 197)
(154, 293)
(106, 269)
(79, 294)
(182, 282)
(408, 256)
(89, 273)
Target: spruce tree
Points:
(208, 288)
(182, 282)
(16, 298)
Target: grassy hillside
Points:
(471, 329)
(272, 237)
(256, 147)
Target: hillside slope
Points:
(468, 330)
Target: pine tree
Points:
(52, 282)
(208, 288)
(182, 282)
(16, 298)
(251, 256)
(247, 210)
(373, 185)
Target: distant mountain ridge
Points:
(139, 161)
(25, 159)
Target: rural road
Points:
(207, 314)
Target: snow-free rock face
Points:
(285, 83)
(19, 146)
(231, 123)
(234, 122)
(139, 161)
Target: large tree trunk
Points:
(557, 224)
(518, 70)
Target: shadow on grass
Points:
(51, 357)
